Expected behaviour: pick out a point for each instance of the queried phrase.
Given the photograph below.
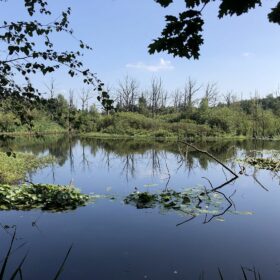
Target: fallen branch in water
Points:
(235, 176)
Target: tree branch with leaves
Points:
(28, 49)
(183, 34)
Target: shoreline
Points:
(99, 135)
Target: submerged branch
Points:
(257, 180)
(223, 212)
(235, 176)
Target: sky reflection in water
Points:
(117, 241)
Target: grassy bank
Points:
(152, 136)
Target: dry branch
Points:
(235, 176)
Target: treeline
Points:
(195, 110)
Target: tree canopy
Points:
(28, 49)
(182, 35)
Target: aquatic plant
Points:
(188, 201)
(272, 164)
(14, 168)
(45, 197)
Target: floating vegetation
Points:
(142, 199)
(264, 163)
(14, 168)
(46, 197)
(189, 201)
(193, 202)
(150, 185)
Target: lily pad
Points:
(45, 197)
(192, 201)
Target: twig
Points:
(222, 213)
(7, 256)
(234, 192)
(186, 221)
(168, 173)
(63, 263)
(235, 176)
(224, 173)
(244, 273)
(220, 274)
(257, 181)
(208, 182)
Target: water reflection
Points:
(62, 149)
(113, 241)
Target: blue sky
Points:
(240, 53)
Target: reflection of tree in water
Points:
(154, 161)
(54, 145)
(71, 155)
(85, 162)
(190, 159)
(128, 165)
(62, 149)
(129, 150)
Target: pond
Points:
(114, 240)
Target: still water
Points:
(112, 240)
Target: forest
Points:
(193, 111)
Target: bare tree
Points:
(211, 93)
(71, 110)
(230, 98)
(85, 97)
(51, 88)
(71, 98)
(190, 91)
(163, 99)
(177, 99)
(256, 119)
(128, 93)
(156, 95)
(276, 92)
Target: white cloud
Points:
(247, 54)
(162, 65)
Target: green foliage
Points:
(257, 118)
(86, 122)
(127, 123)
(8, 122)
(13, 168)
(182, 35)
(45, 125)
(142, 200)
(191, 129)
(27, 56)
(45, 197)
